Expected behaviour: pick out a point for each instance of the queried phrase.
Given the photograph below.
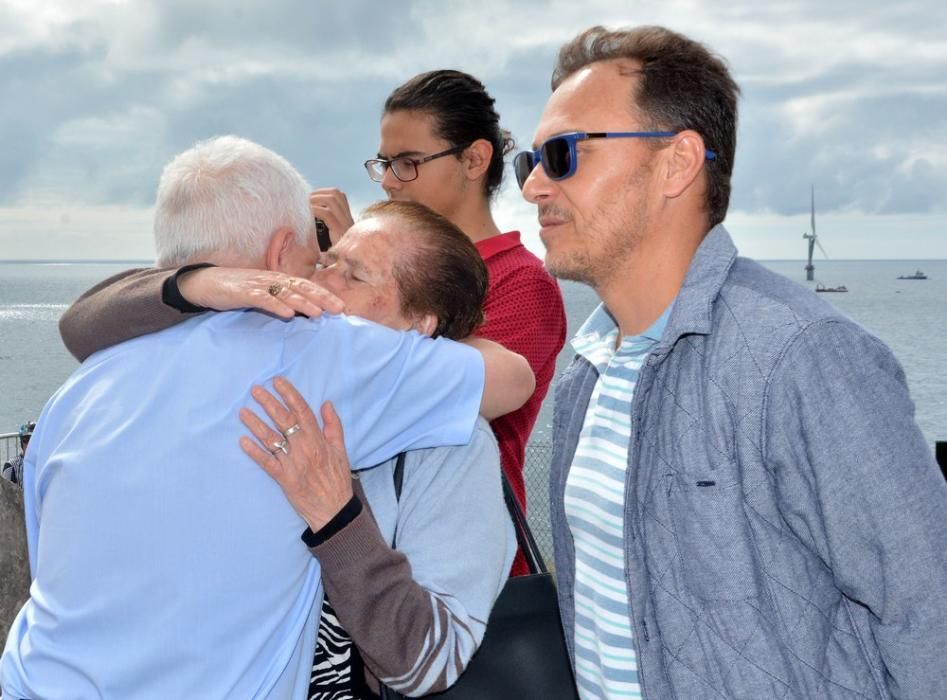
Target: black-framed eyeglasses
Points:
(404, 168)
(559, 157)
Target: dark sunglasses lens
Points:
(556, 158)
(523, 165)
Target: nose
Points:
(538, 185)
(389, 182)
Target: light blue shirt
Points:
(605, 662)
(165, 562)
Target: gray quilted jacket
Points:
(785, 522)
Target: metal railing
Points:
(9, 446)
(536, 478)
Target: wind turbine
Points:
(813, 242)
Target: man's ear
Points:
(426, 324)
(685, 162)
(476, 159)
(280, 249)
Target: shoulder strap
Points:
(399, 480)
(524, 536)
(399, 476)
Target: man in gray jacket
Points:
(742, 503)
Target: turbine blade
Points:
(822, 249)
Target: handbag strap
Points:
(399, 480)
(524, 535)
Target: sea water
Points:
(910, 316)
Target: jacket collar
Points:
(705, 277)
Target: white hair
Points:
(228, 195)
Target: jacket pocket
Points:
(713, 538)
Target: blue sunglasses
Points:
(559, 157)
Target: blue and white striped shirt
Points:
(606, 666)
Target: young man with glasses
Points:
(743, 505)
(442, 146)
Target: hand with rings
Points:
(283, 445)
(308, 462)
(225, 288)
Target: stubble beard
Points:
(613, 237)
(570, 266)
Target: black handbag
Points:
(523, 654)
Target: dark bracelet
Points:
(171, 294)
(345, 516)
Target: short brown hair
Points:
(444, 275)
(683, 86)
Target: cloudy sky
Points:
(97, 95)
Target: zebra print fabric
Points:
(337, 669)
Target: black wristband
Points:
(171, 294)
(348, 513)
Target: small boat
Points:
(822, 288)
(916, 276)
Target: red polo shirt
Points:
(524, 313)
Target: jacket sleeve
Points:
(858, 484)
(122, 307)
(418, 614)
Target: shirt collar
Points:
(600, 330)
(494, 245)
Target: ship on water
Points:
(916, 276)
(819, 287)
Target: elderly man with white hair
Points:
(165, 563)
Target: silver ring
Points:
(291, 430)
(279, 446)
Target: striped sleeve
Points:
(415, 640)
(419, 613)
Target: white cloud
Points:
(98, 95)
